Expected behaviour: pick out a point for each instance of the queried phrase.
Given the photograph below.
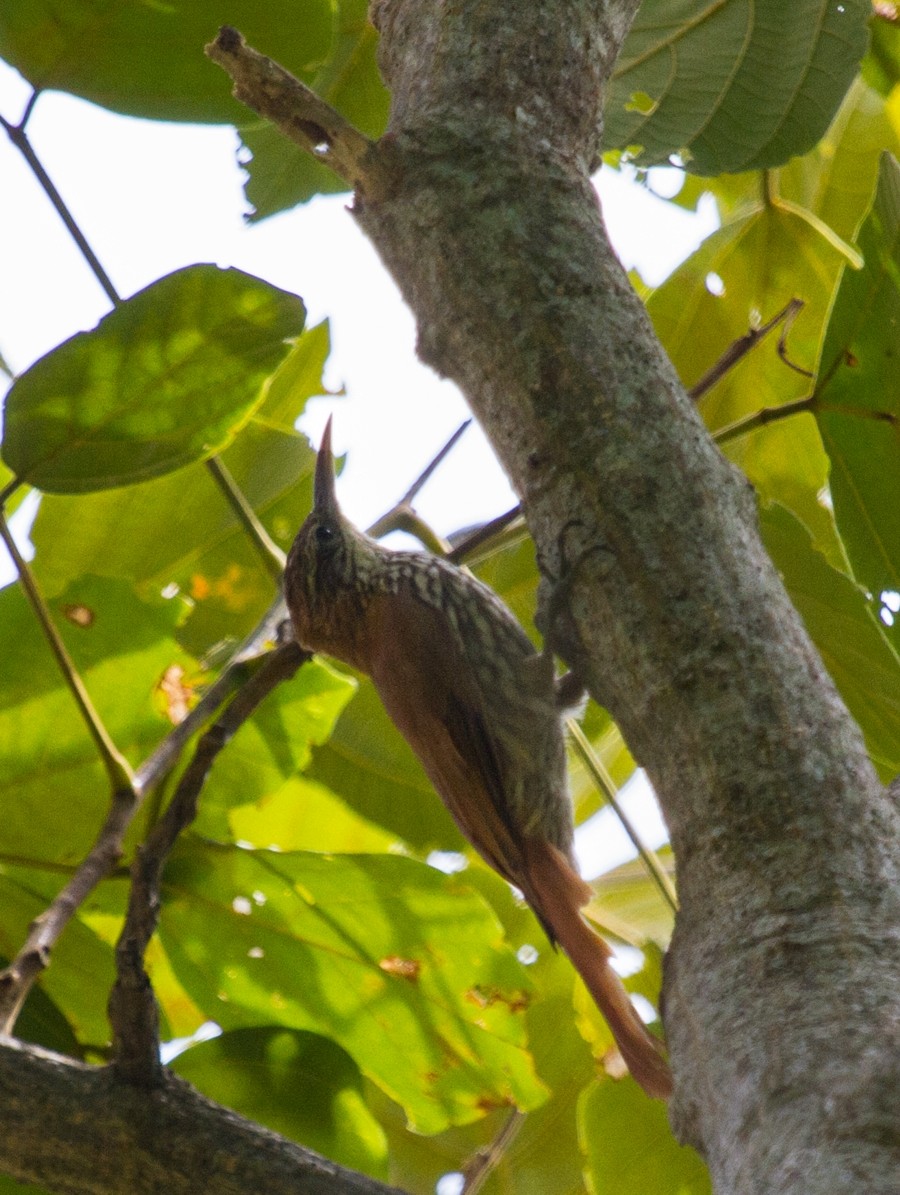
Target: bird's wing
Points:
(430, 693)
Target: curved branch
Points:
(74, 1128)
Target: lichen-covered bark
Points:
(782, 993)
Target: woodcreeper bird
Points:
(478, 705)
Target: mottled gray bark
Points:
(75, 1129)
(782, 988)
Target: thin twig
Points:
(477, 1170)
(473, 540)
(413, 492)
(302, 116)
(132, 1005)
(749, 423)
(604, 782)
(402, 516)
(116, 764)
(739, 348)
(271, 555)
(19, 138)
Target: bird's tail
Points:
(559, 894)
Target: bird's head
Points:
(329, 560)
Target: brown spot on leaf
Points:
(485, 997)
(405, 968)
(81, 616)
(175, 693)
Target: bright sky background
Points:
(153, 197)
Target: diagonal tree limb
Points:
(132, 1005)
(75, 1128)
(302, 116)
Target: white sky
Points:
(153, 197)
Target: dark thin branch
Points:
(402, 516)
(465, 547)
(19, 138)
(744, 344)
(477, 1170)
(132, 1005)
(413, 492)
(741, 427)
(301, 115)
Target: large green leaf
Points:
(56, 791)
(280, 173)
(146, 59)
(544, 1153)
(630, 1148)
(630, 896)
(740, 277)
(150, 533)
(165, 379)
(858, 395)
(843, 626)
(403, 966)
(270, 748)
(299, 1084)
(733, 86)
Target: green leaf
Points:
(404, 967)
(146, 58)
(280, 173)
(837, 179)
(299, 1084)
(863, 665)
(151, 535)
(274, 745)
(56, 790)
(630, 896)
(881, 66)
(761, 260)
(368, 764)
(630, 1148)
(164, 380)
(733, 86)
(305, 816)
(858, 395)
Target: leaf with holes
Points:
(404, 967)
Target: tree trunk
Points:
(782, 989)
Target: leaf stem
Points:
(604, 783)
(272, 556)
(117, 766)
(749, 423)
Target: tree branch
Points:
(301, 115)
(75, 1128)
(132, 1005)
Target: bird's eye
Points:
(324, 533)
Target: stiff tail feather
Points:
(559, 894)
